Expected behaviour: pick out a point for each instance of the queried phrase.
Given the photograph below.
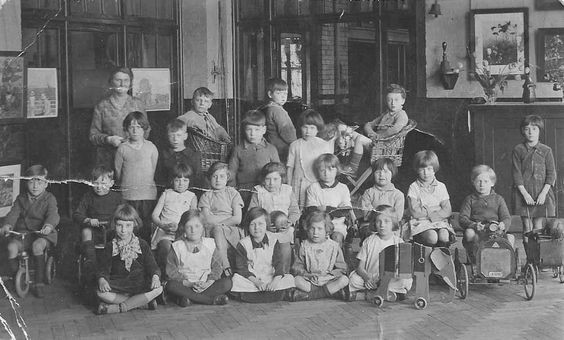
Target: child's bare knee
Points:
(443, 235)
(86, 234)
(469, 234)
(430, 237)
(13, 249)
(38, 246)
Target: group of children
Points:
(238, 236)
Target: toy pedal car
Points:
(547, 252)
(102, 227)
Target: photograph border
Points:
(19, 56)
(8, 170)
(54, 72)
(157, 73)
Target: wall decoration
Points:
(152, 86)
(9, 187)
(11, 85)
(549, 5)
(500, 40)
(42, 93)
(550, 55)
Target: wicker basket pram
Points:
(391, 147)
(211, 150)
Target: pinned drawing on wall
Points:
(11, 85)
(9, 187)
(42, 93)
(500, 40)
(152, 86)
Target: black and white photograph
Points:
(42, 93)
(11, 85)
(152, 86)
(9, 187)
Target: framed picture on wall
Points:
(9, 187)
(42, 93)
(500, 39)
(549, 5)
(550, 55)
(152, 86)
(11, 85)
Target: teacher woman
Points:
(106, 129)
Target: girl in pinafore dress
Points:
(534, 174)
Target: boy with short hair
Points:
(176, 153)
(248, 158)
(199, 118)
(393, 119)
(33, 211)
(95, 207)
(280, 130)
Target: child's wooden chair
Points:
(389, 147)
(211, 150)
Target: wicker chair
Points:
(211, 150)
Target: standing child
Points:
(429, 203)
(128, 276)
(481, 208)
(96, 206)
(393, 119)
(135, 164)
(34, 211)
(171, 205)
(200, 119)
(366, 277)
(320, 269)
(534, 175)
(280, 130)
(176, 153)
(259, 271)
(330, 195)
(248, 158)
(194, 265)
(222, 209)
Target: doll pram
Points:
(211, 150)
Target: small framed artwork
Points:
(152, 86)
(42, 93)
(11, 85)
(500, 39)
(550, 55)
(9, 187)
(549, 5)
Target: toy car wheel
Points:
(420, 303)
(555, 272)
(456, 258)
(50, 270)
(529, 281)
(561, 273)
(22, 283)
(516, 261)
(462, 281)
(378, 301)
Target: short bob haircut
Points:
(426, 158)
(319, 216)
(253, 117)
(252, 214)
(125, 212)
(202, 92)
(36, 170)
(385, 163)
(276, 84)
(483, 169)
(532, 120)
(276, 215)
(216, 167)
(137, 116)
(181, 170)
(121, 69)
(387, 210)
(187, 216)
(311, 117)
(273, 167)
(395, 88)
(101, 171)
(176, 125)
(326, 160)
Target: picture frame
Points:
(42, 93)
(500, 40)
(550, 55)
(9, 187)
(152, 86)
(549, 5)
(11, 85)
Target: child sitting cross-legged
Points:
(128, 275)
(194, 265)
(320, 268)
(366, 277)
(170, 207)
(259, 270)
(34, 211)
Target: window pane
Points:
(292, 63)
(251, 9)
(132, 7)
(141, 50)
(94, 7)
(111, 7)
(291, 7)
(40, 4)
(338, 6)
(43, 51)
(164, 52)
(93, 55)
(165, 9)
(252, 66)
